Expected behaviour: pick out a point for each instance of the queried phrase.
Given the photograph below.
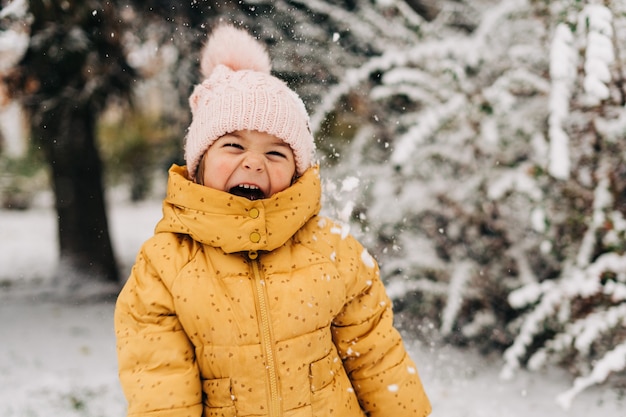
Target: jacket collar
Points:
(233, 223)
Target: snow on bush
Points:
(490, 157)
(482, 158)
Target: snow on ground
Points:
(57, 359)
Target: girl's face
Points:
(248, 163)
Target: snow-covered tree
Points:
(580, 315)
(490, 163)
(475, 146)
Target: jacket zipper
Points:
(267, 339)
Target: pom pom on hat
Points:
(239, 93)
(235, 49)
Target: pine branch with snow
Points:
(491, 153)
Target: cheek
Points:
(282, 178)
(216, 173)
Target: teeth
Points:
(248, 186)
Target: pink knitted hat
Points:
(239, 93)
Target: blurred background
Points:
(475, 147)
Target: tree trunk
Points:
(67, 136)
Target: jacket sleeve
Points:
(156, 360)
(383, 375)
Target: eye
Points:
(232, 145)
(278, 154)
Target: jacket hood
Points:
(234, 223)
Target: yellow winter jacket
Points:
(259, 308)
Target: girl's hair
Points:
(198, 177)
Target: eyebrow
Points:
(235, 134)
(276, 142)
(282, 143)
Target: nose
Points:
(254, 162)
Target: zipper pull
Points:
(253, 254)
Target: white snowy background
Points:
(503, 117)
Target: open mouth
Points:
(251, 192)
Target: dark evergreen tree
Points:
(74, 63)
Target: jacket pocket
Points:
(331, 390)
(218, 398)
(322, 372)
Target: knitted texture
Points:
(239, 93)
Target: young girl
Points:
(246, 302)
